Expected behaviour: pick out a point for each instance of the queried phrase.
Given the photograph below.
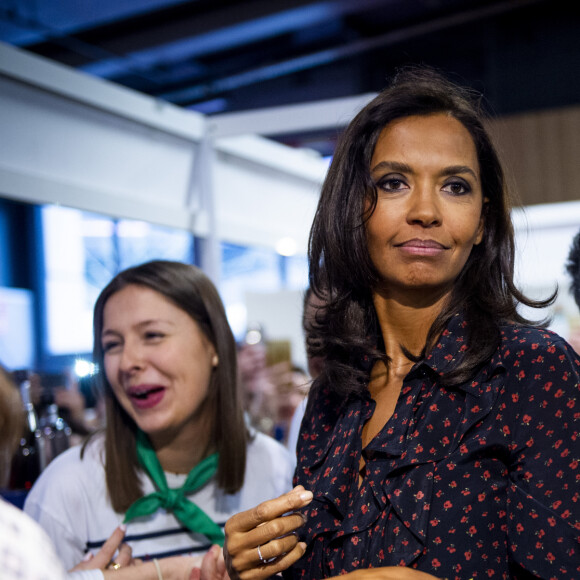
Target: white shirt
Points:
(70, 501)
(25, 550)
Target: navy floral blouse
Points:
(478, 481)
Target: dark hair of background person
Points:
(11, 421)
(573, 268)
(188, 288)
(338, 254)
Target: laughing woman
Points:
(441, 438)
(175, 460)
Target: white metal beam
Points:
(103, 95)
(87, 143)
(327, 114)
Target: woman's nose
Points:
(131, 357)
(424, 208)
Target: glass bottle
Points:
(29, 459)
(55, 431)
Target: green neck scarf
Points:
(174, 500)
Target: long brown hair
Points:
(192, 291)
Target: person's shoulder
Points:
(73, 469)
(517, 339)
(537, 355)
(323, 411)
(22, 538)
(80, 457)
(17, 522)
(264, 446)
(269, 465)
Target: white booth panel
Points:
(257, 206)
(60, 140)
(82, 142)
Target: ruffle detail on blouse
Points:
(401, 462)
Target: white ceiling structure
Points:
(83, 142)
(227, 57)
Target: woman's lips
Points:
(419, 247)
(145, 396)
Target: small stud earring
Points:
(215, 360)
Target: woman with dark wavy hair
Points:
(176, 458)
(573, 268)
(440, 439)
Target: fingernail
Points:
(88, 556)
(123, 527)
(305, 495)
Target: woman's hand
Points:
(125, 567)
(104, 557)
(260, 542)
(213, 566)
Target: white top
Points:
(294, 430)
(70, 501)
(25, 551)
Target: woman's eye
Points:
(152, 335)
(391, 184)
(457, 187)
(109, 346)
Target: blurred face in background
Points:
(158, 362)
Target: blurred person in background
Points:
(573, 269)
(272, 386)
(25, 550)
(258, 384)
(84, 417)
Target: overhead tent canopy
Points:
(82, 142)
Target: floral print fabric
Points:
(476, 481)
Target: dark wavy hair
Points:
(573, 268)
(193, 292)
(340, 266)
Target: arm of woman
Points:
(174, 568)
(210, 567)
(261, 542)
(543, 508)
(104, 557)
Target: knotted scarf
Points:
(174, 500)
